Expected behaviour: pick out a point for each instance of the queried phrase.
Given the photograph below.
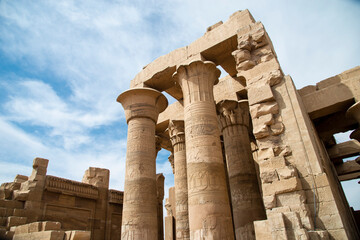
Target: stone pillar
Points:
(246, 200)
(160, 193)
(31, 191)
(208, 202)
(177, 137)
(142, 107)
(99, 177)
(160, 196)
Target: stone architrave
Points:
(208, 201)
(142, 107)
(246, 200)
(177, 137)
(354, 112)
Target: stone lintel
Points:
(215, 45)
(333, 94)
(344, 150)
(348, 170)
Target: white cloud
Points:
(82, 54)
(18, 145)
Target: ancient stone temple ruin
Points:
(252, 156)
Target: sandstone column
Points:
(208, 202)
(177, 137)
(160, 192)
(142, 106)
(246, 200)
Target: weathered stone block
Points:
(320, 180)
(19, 212)
(320, 235)
(286, 172)
(265, 153)
(269, 176)
(282, 186)
(306, 90)
(3, 221)
(337, 234)
(323, 194)
(292, 220)
(47, 235)
(9, 235)
(21, 195)
(51, 226)
(11, 204)
(20, 178)
(277, 128)
(40, 162)
(272, 163)
(35, 227)
(289, 199)
(261, 131)
(282, 151)
(245, 65)
(77, 235)
(260, 109)
(276, 221)
(259, 94)
(241, 55)
(98, 177)
(262, 230)
(269, 201)
(15, 221)
(21, 229)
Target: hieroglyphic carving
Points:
(245, 195)
(116, 196)
(177, 137)
(207, 193)
(56, 184)
(140, 208)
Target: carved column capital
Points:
(231, 112)
(142, 107)
(142, 103)
(197, 80)
(177, 134)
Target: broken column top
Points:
(98, 177)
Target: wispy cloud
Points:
(65, 62)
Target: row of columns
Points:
(202, 202)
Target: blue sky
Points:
(63, 64)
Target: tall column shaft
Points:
(177, 137)
(139, 220)
(208, 202)
(246, 200)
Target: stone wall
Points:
(87, 206)
(297, 160)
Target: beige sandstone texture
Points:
(252, 156)
(48, 207)
(142, 107)
(247, 205)
(278, 173)
(177, 137)
(208, 203)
